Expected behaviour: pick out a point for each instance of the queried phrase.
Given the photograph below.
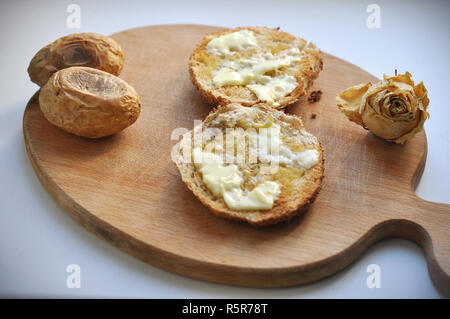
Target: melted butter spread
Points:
(232, 41)
(226, 180)
(272, 150)
(252, 72)
(274, 89)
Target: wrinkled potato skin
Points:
(80, 49)
(89, 102)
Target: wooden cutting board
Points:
(126, 189)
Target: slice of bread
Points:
(298, 183)
(300, 65)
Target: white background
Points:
(38, 240)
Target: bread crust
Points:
(285, 207)
(308, 70)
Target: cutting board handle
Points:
(426, 223)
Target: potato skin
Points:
(89, 102)
(80, 49)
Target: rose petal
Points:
(405, 78)
(349, 101)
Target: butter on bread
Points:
(251, 65)
(241, 189)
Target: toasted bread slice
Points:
(298, 170)
(283, 66)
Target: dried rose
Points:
(393, 109)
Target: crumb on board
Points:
(315, 96)
(313, 116)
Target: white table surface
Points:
(38, 240)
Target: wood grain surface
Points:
(126, 189)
